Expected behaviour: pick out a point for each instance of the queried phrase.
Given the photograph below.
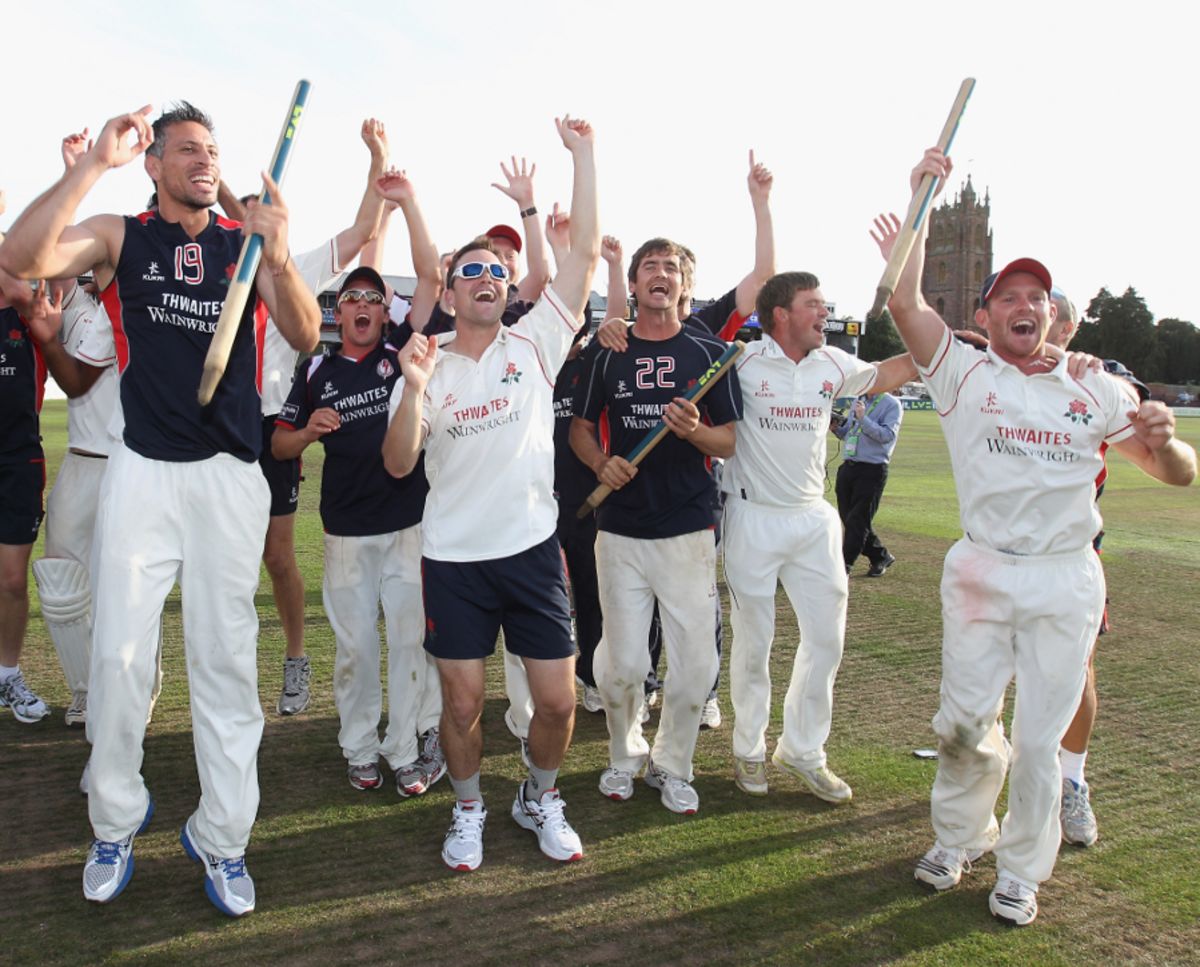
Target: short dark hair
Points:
(778, 292)
(179, 112)
(664, 246)
(475, 245)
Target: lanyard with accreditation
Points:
(851, 447)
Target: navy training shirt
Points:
(673, 492)
(359, 497)
(22, 381)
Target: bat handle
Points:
(594, 500)
(882, 294)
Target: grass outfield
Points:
(346, 876)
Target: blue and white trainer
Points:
(109, 866)
(227, 882)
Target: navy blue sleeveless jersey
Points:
(22, 381)
(673, 492)
(358, 496)
(164, 302)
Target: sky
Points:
(1081, 127)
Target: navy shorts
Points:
(283, 476)
(467, 603)
(21, 487)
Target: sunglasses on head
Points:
(372, 296)
(473, 270)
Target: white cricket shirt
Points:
(1025, 450)
(318, 268)
(489, 445)
(87, 335)
(780, 455)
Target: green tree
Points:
(879, 339)
(1179, 345)
(1126, 331)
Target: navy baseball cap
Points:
(364, 273)
(1032, 266)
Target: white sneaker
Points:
(750, 777)
(26, 706)
(616, 784)
(1013, 900)
(676, 794)
(411, 780)
(1076, 816)
(591, 699)
(463, 846)
(710, 715)
(545, 817)
(109, 866)
(820, 781)
(432, 759)
(227, 883)
(943, 866)
(76, 714)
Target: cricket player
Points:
(780, 529)
(372, 524)
(1023, 590)
(480, 405)
(656, 531)
(182, 496)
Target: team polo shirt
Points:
(573, 479)
(780, 456)
(673, 492)
(164, 302)
(22, 381)
(85, 327)
(318, 269)
(489, 439)
(358, 496)
(721, 318)
(1025, 450)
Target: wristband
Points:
(527, 212)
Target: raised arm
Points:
(759, 181)
(397, 190)
(618, 288)
(405, 434)
(43, 243)
(919, 325)
(519, 188)
(350, 241)
(573, 282)
(558, 234)
(291, 304)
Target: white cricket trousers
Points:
(1034, 618)
(361, 573)
(802, 549)
(681, 573)
(203, 522)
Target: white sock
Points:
(6, 673)
(1072, 764)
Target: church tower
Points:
(958, 256)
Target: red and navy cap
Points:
(1032, 266)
